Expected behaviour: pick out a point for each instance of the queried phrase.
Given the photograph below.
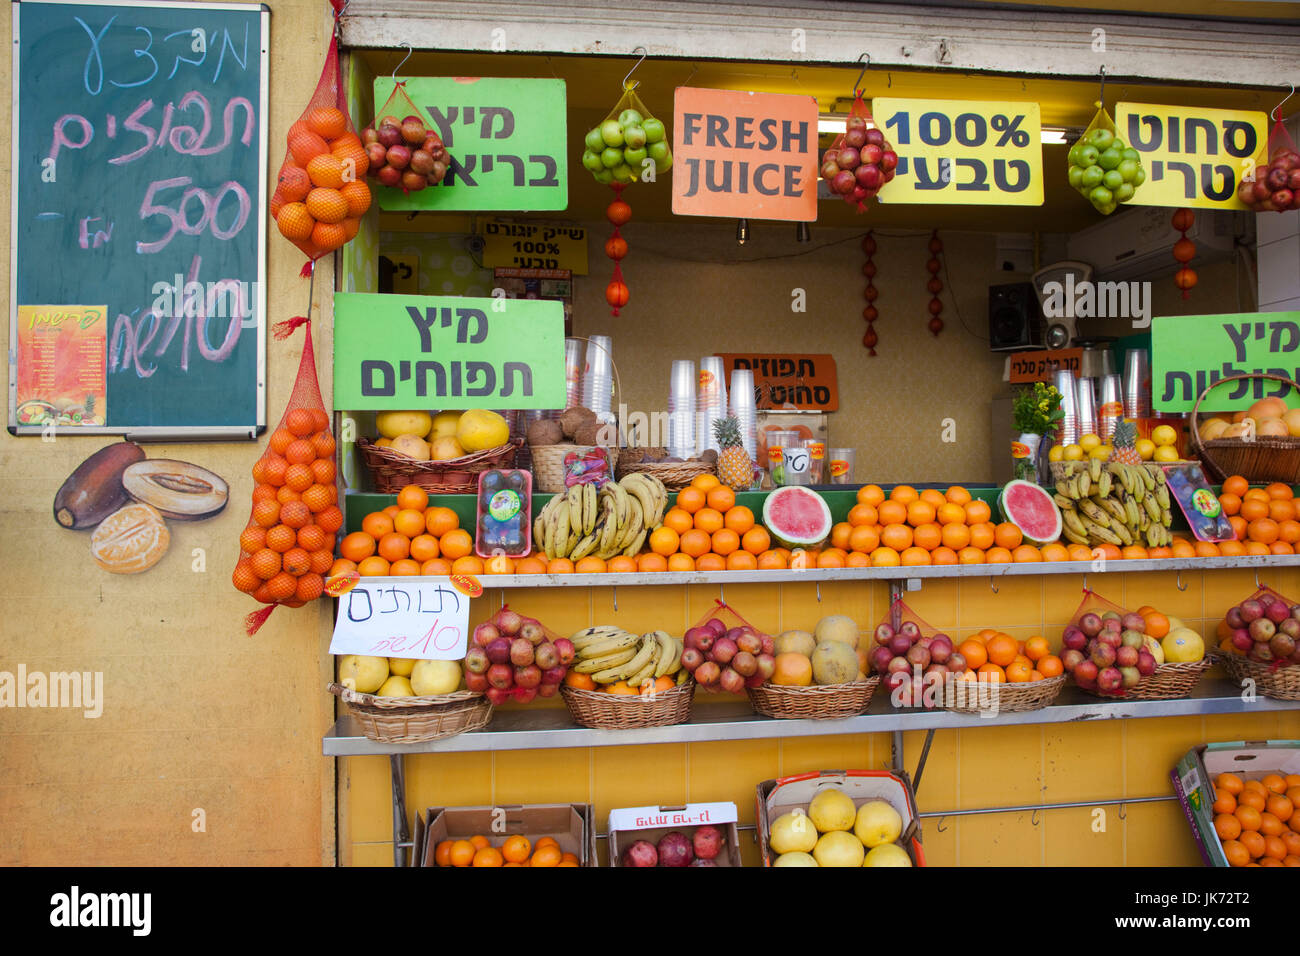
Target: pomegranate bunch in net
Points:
(1274, 187)
(860, 161)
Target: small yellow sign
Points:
(530, 245)
(1192, 156)
(963, 152)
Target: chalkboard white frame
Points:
(156, 433)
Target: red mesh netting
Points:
(287, 547)
(403, 152)
(860, 161)
(321, 192)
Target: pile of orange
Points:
(514, 851)
(706, 530)
(910, 527)
(1266, 520)
(621, 688)
(287, 547)
(1257, 821)
(322, 192)
(1000, 659)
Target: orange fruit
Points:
(252, 538)
(1227, 826)
(957, 495)
(1277, 547)
(330, 519)
(942, 555)
(1007, 535)
(436, 567)
(394, 546)
(580, 681)
(742, 561)
(1252, 798)
(992, 673)
(329, 236)
(405, 567)
(328, 122)
(1019, 672)
(1235, 485)
(295, 222)
(1252, 509)
(456, 543)
(1257, 786)
(1263, 530)
(928, 536)
(1292, 841)
(1230, 504)
(409, 522)
(651, 562)
(621, 564)
(755, 540)
(326, 172)
(770, 561)
(442, 853)
(1274, 848)
(293, 184)
(977, 512)
(1280, 806)
(1224, 802)
(1050, 666)
(1036, 648)
(863, 538)
(891, 512)
(1238, 526)
(690, 499)
(1026, 552)
(1279, 491)
(905, 494)
(933, 497)
(664, 540)
(950, 513)
(357, 546)
(1229, 782)
(1280, 510)
(975, 653)
(1236, 853)
(721, 498)
(547, 855)
(918, 513)
(590, 565)
(1274, 783)
(862, 515)
(569, 859)
(970, 555)
(1002, 650)
(1247, 816)
(831, 559)
(487, 856)
(885, 557)
(679, 520)
(295, 514)
(708, 520)
(439, 520)
(373, 567)
(870, 495)
(1288, 531)
(896, 536)
(981, 535)
(705, 482)
(516, 848)
(695, 542)
(725, 541)
(468, 564)
(914, 557)
(415, 498)
(462, 853)
(739, 519)
(683, 562)
(1270, 825)
(1253, 842)
(998, 556)
(527, 565)
(377, 524)
(1055, 552)
(424, 547)
(1256, 494)
(265, 563)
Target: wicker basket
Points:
(1004, 698)
(675, 475)
(1169, 682)
(1280, 683)
(829, 702)
(410, 720)
(1257, 459)
(548, 464)
(456, 476)
(604, 711)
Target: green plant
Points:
(1037, 409)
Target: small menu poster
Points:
(61, 375)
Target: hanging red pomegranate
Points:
(1185, 279)
(869, 314)
(1184, 251)
(620, 214)
(616, 295)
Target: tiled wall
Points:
(983, 766)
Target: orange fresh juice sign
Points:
(62, 351)
(804, 382)
(738, 155)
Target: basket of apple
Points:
(512, 657)
(1259, 640)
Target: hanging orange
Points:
(616, 247)
(616, 294)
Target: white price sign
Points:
(388, 617)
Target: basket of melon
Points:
(1261, 445)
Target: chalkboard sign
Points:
(138, 243)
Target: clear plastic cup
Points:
(816, 450)
(839, 463)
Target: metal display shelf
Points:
(810, 575)
(542, 729)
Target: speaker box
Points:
(1015, 320)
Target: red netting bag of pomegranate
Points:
(914, 659)
(321, 190)
(287, 548)
(860, 161)
(724, 652)
(1264, 628)
(403, 152)
(1275, 186)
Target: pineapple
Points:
(1124, 444)
(735, 467)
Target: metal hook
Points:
(819, 592)
(1257, 579)
(992, 587)
(1033, 818)
(1273, 113)
(722, 594)
(644, 54)
(939, 827)
(1102, 95)
(1178, 583)
(409, 51)
(1123, 811)
(695, 68)
(862, 74)
(614, 595)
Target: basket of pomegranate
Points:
(1259, 640)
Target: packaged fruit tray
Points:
(409, 720)
(810, 811)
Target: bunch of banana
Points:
(1114, 503)
(617, 519)
(610, 654)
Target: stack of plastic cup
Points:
(598, 377)
(1137, 384)
(681, 409)
(1110, 411)
(1068, 430)
(573, 362)
(710, 402)
(744, 409)
(1087, 406)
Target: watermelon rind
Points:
(1035, 532)
(788, 537)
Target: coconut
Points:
(587, 433)
(574, 418)
(545, 432)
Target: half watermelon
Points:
(797, 517)
(1031, 509)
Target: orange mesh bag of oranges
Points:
(915, 660)
(321, 191)
(404, 152)
(287, 548)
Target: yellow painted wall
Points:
(197, 715)
(978, 767)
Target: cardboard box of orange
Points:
(776, 797)
(629, 824)
(1193, 779)
(572, 825)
